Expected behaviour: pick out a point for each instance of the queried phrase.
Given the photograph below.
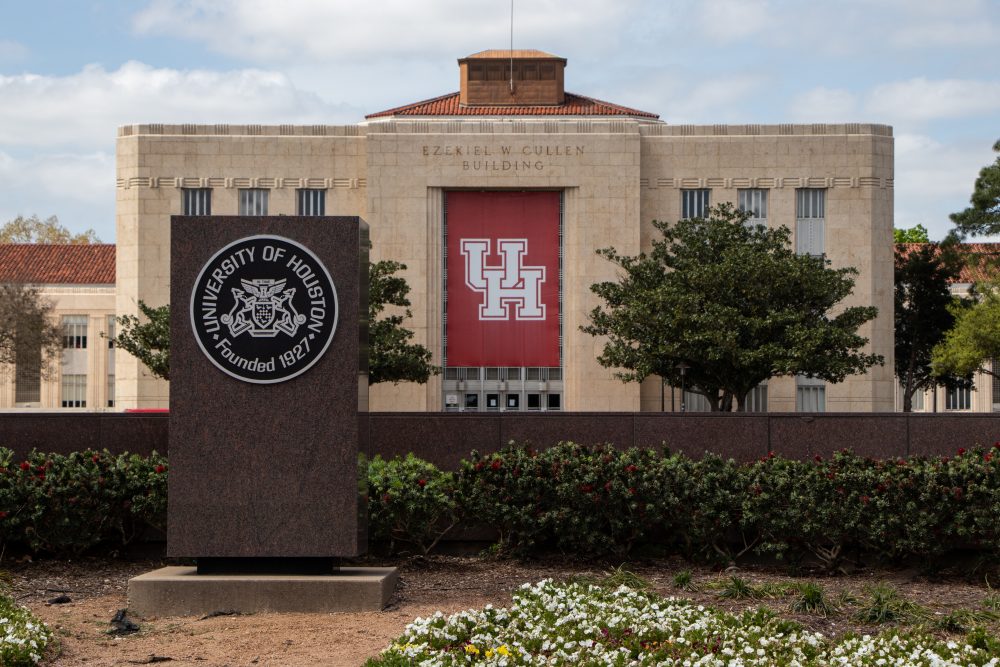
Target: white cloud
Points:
(85, 109)
(304, 30)
(732, 20)
(922, 99)
(11, 51)
(944, 33)
(79, 188)
(934, 179)
(824, 105)
(721, 100)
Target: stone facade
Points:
(616, 176)
(95, 362)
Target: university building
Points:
(79, 283)
(496, 198)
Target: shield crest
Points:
(263, 314)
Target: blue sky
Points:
(72, 71)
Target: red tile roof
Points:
(505, 54)
(575, 105)
(981, 260)
(42, 264)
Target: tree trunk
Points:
(741, 402)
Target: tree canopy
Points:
(924, 312)
(36, 230)
(392, 357)
(982, 218)
(732, 301)
(916, 234)
(974, 339)
(28, 335)
(147, 340)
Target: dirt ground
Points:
(97, 589)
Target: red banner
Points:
(503, 278)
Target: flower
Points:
(631, 468)
(961, 450)
(25, 465)
(160, 469)
(496, 464)
(421, 483)
(471, 649)
(95, 458)
(3, 515)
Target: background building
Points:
(79, 281)
(984, 395)
(513, 146)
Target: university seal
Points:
(264, 309)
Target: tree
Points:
(149, 340)
(35, 230)
(733, 302)
(982, 218)
(391, 355)
(29, 338)
(924, 311)
(974, 339)
(916, 234)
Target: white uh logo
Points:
(509, 283)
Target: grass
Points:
(684, 581)
(884, 604)
(964, 620)
(811, 599)
(738, 588)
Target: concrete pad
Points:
(181, 591)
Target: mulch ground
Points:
(78, 600)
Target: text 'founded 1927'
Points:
(264, 309)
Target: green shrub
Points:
(411, 502)
(67, 505)
(581, 500)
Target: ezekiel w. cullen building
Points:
(496, 198)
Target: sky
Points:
(72, 71)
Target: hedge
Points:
(582, 501)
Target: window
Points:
(253, 201)
(810, 394)
(74, 391)
(958, 398)
(754, 201)
(111, 361)
(995, 367)
(756, 400)
(810, 222)
(197, 201)
(694, 203)
(27, 373)
(74, 332)
(312, 202)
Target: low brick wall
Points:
(65, 432)
(447, 438)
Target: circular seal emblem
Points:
(264, 309)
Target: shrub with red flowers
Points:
(577, 499)
(67, 505)
(411, 504)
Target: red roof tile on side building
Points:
(575, 105)
(52, 264)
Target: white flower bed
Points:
(23, 637)
(573, 624)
